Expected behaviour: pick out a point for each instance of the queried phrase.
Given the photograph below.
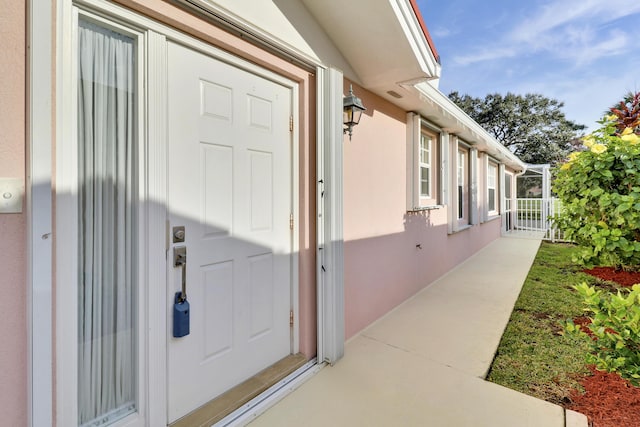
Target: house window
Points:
(463, 186)
(428, 167)
(492, 193)
(426, 143)
(508, 191)
(423, 164)
(107, 229)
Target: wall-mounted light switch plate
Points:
(11, 195)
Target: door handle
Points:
(180, 304)
(180, 260)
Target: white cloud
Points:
(615, 44)
(574, 31)
(558, 14)
(486, 54)
(441, 32)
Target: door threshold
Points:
(217, 409)
(261, 403)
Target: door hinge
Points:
(290, 123)
(291, 318)
(291, 221)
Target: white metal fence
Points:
(533, 215)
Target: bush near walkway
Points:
(614, 338)
(600, 191)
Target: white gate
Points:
(532, 211)
(534, 216)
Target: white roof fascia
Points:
(416, 37)
(383, 41)
(456, 121)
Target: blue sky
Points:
(585, 53)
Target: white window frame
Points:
(473, 186)
(469, 168)
(425, 151)
(67, 220)
(418, 132)
(463, 176)
(495, 186)
(507, 199)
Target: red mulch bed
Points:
(608, 400)
(624, 278)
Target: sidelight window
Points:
(107, 361)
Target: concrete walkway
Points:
(424, 363)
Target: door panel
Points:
(230, 186)
(217, 190)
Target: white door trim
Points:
(66, 358)
(157, 214)
(40, 83)
(330, 256)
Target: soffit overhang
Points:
(384, 41)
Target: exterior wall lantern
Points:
(351, 111)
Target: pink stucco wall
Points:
(13, 286)
(383, 266)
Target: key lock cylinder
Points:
(180, 303)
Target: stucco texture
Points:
(13, 327)
(391, 254)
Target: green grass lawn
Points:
(534, 357)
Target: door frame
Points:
(329, 216)
(160, 174)
(153, 237)
(49, 106)
(41, 134)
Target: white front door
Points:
(230, 186)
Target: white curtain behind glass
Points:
(106, 294)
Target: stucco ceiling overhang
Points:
(392, 57)
(382, 40)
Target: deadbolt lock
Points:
(178, 234)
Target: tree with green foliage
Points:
(600, 191)
(532, 126)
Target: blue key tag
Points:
(180, 316)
